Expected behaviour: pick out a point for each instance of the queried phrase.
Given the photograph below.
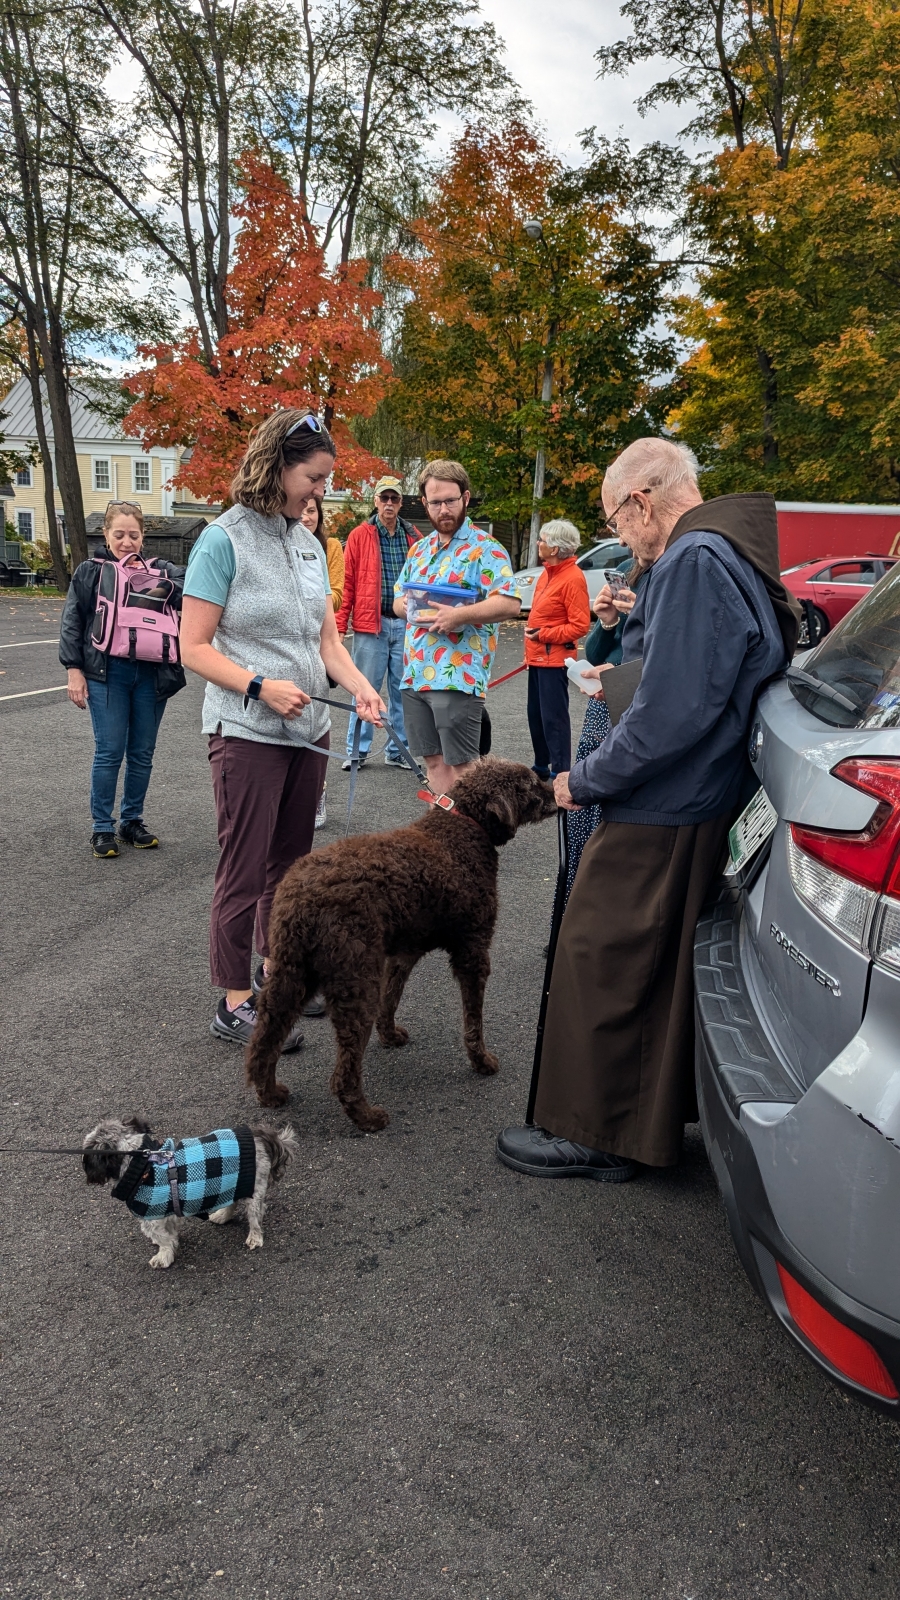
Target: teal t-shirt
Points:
(211, 566)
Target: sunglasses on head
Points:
(121, 505)
(309, 421)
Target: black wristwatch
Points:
(253, 689)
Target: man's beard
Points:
(464, 510)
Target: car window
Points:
(860, 659)
(598, 557)
(861, 572)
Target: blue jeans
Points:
(126, 716)
(376, 654)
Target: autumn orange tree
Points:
(299, 334)
(486, 303)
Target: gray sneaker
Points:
(346, 765)
(393, 760)
(238, 1025)
(313, 1008)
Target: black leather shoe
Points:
(542, 1155)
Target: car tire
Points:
(819, 625)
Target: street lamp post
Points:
(535, 231)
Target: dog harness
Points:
(189, 1178)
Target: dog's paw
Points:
(486, 1065)
(254, 1241)
(372, 1119)
(163, 1258)
(278, 1095)
(393, 1037)
(224, 1214)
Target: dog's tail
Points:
(280, 1145)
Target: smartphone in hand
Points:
(617, 580)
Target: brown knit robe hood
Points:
(750, 524)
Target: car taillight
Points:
(867, 857)
(848, 1352)
(841, 875)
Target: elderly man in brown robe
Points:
(711, 625)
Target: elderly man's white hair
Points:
(563, 536)
(659, 464)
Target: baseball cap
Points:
(389, 483)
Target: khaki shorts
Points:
(443, 722)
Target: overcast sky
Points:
(550, 47)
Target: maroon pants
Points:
(266, 798)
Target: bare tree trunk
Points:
(57, 549)
(770, 400)
(514, 549)
(41, 274)
(67, 475)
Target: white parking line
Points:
(24, 693)
(23, 642)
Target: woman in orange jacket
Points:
(560, 616)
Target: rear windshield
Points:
(860, 659)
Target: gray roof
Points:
(88, 423)
(154, 527)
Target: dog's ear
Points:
(138, 1124)
(501, 815)
(100, 1166)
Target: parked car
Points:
(833, 585)
(608, 553)
(797, 971)
(13, 569)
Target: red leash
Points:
(506, 675)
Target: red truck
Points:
(807, 530)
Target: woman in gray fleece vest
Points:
(258, 625)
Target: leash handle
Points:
(559, 905)
(407, 759)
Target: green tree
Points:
(66, 256)
(793, 380)
(341, 95)
(488, 306)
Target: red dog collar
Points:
(444, 803)
(441, 800)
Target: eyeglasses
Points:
(610, 521)
(441, 505)
(122, 505)
(309, 421)
(388, 498)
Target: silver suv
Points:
(797, 972)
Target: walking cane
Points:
(559, 905)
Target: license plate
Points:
(751, 830)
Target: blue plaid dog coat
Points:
(189, 1178)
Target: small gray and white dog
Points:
(219, 1176)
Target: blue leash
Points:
(335, 755)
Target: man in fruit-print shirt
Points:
(448, 658)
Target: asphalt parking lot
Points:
(438, 1377)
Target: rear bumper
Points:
(770, 1144)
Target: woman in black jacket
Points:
(603, 647)
(126, 698)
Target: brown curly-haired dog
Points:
(352, 921)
